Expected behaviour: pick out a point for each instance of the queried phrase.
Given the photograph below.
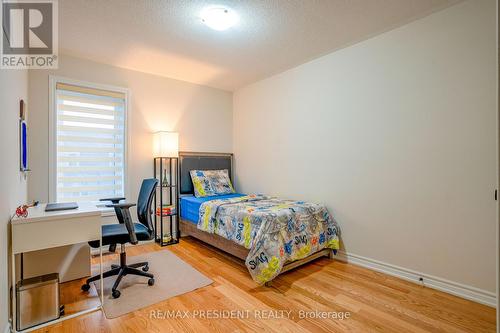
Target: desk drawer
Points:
(53, 233)
(109, 219)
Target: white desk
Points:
(43, 230)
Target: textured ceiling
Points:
(166, 37)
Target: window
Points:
(88, 138)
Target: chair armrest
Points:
(124, 212)
(123, 205)
(113, 200)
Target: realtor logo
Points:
(29, 34)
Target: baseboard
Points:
(7, 328)
(454, 288)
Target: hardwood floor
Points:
(375, 302)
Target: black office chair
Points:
(128, 232)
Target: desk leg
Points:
(13, 298)
(101, 273)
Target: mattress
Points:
(190, 205)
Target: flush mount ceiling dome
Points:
(218, 18)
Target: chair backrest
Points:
(144, 202)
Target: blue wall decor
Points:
(23, 138)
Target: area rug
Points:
(172, 277)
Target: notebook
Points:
(60, 206)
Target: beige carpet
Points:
(172, 277)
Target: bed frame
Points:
(215, 161)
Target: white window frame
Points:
(53, 81)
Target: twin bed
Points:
(271, 235)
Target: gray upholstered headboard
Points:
(201, 161)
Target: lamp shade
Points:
(165, 144)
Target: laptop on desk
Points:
(51, 207)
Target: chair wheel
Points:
(151, 282)
(116, 293)
(145, 268)
(86, 287)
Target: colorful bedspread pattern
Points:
(275, 230)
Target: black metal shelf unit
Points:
(166, 213)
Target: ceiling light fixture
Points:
(218, 18)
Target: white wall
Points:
(396, 135)
(13, 88)
(201, 115)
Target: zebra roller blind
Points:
(90, 136)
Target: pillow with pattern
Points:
(211, 182)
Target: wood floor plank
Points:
(374, 301)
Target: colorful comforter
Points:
(275, 231)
